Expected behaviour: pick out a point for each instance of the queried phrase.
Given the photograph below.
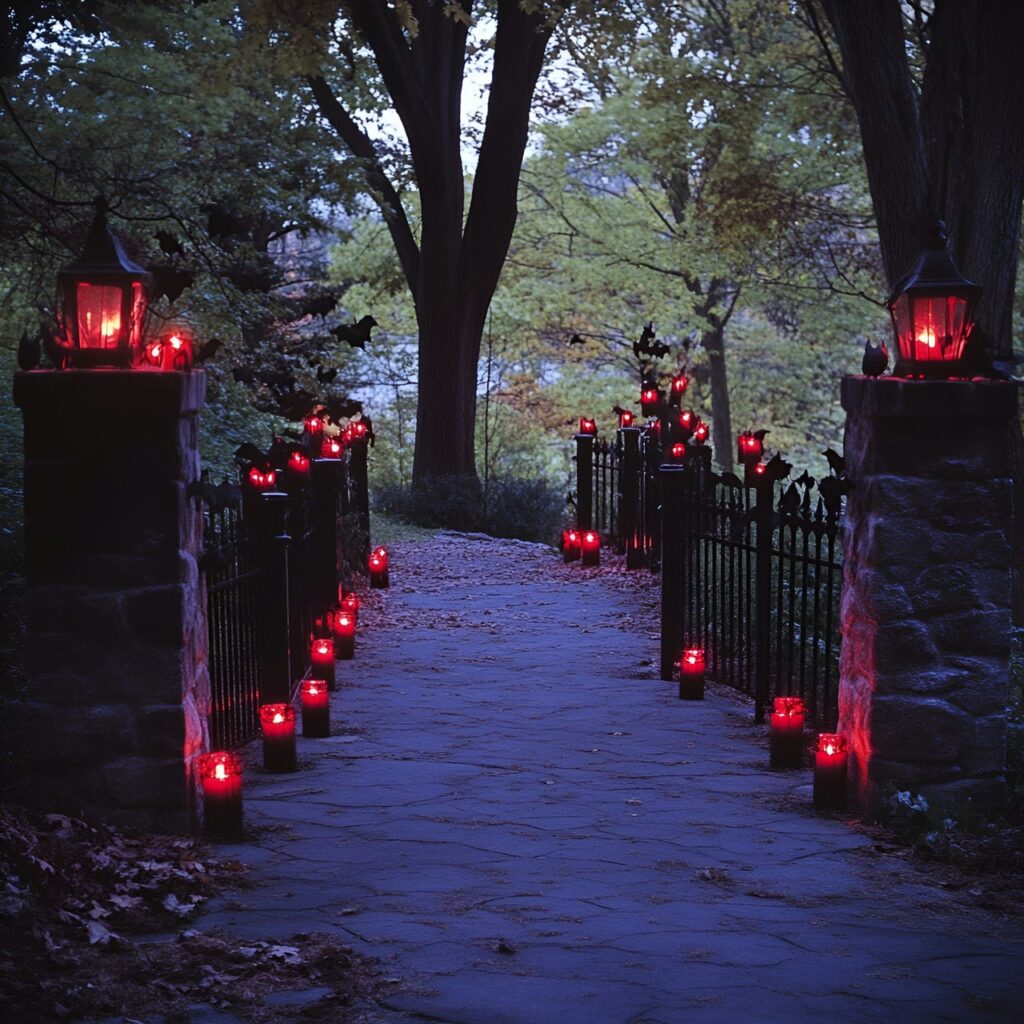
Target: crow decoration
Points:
(326, 376)
(760, 434)
(357, 334)
(575, 340)
(832, 490)
(203, 489)
(169, 282)
(319, 304)
(247, 454)
(30, 351)
(777, 468)
(836, 463)
(876, 359)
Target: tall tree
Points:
(938, 88)
(420, 51)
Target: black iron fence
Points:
(750, 569)
(272, 562)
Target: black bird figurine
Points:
(30, 351)
(836, 462)
(876, 359)
(575, 340)
(357, 334)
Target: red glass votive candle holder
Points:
(830, 765)
(378, 566)
(748, 448)
(677, 453)
(331, 448)
(588, 426)
(786, 732)
(650, 399)
(344, 627)
(221, 776)
(350, 603)
(316, 708)
(570, 545)
(321, 657)
(680, 382)
(691, 674)
(686, 423)
(590, 547)
(626, 418)
(700, 432)
(297, 469)
(278, 724)
(314, 427)
(177, 353)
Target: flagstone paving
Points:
(526, 826)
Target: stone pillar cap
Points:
(940, 399)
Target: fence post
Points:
(764, 491)
(272, 542)
(585, 481)
(673, 530)
(629, 469)
(359, 479)
(652, 526)
(327, 481)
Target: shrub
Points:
(523, 509)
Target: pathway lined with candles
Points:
(526, 826)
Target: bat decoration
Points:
(618, 410)
(170, 282)
(575, 340)
(203, 489)
(326, 376)
(248, 453)
(357, 334)
(648, 346)
(168, 243)
(338, 409)
(30, 351)
(836, 463)
(208, 350)
(659, 349)
(876, 359)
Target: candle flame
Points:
(219, 771)
(278, 718)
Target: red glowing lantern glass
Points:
(650, 399)
(358, 430)
(830, 767)
(261, 478)
(314, 427)
(932, 312)
(588, 426)
(570, 545)
(679, 384)
(278, 724)
(316, 708)
(590, 547)
(678, 451)
(378, 566)
(626, 418)
(102, 301)
(298, 466)
(786, 731)
(700, 432)
(220, 773)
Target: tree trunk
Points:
(713, 340)
(956, 151)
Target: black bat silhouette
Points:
(575, 340)
(659, 349)
(208, 350)
(357, 334)
(170, 281)
(168, 243)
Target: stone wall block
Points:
(162, 729)
(82, 734)
(156, 614)
(979, 631)
(921, 730)
(903, 643)
(149, 783)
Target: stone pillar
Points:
(924, 670)
(116, 613)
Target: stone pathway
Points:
(526, 826)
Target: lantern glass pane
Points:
(956, 314)
(99, 315)
(138, 311)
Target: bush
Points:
(523, 509)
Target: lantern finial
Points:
(937, 237)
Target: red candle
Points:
(154, 353)
(177, 353)
(344, 635)
(298, 467)
(626, 418)
(678, 451)
(687, 421)
(221, 775)
(278, 722)
(691, 674)
(321, 657)
(570, 545)
(331, 448)
(588, 426)
(316, 709)
(649, 400)
(786, 732)
(680, 382)
(830, 761)
(378, 565)
(590, 547)
(358, 429)
(748, 447)
(261, 479)
(700, 432)
(314, 427)
(350, 603)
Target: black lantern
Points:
(102, 301)
(932, 314)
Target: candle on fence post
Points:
(316, 709)
(321, 657)
(749, 447)
(680, 382)
(691, 674)
(344, 635)
(786, 732)
(314, 427)
(350, 603)
(830, 762)
(331, 448)
(570, 545)
(678, 452)
(590, 547)
(650, 399)
(297, 470)
(278, 723)
(626, 417)
(700, 432)
(588, 425)
(686, 422)
(378, 565)
(221, 775)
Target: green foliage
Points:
(517, 508)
